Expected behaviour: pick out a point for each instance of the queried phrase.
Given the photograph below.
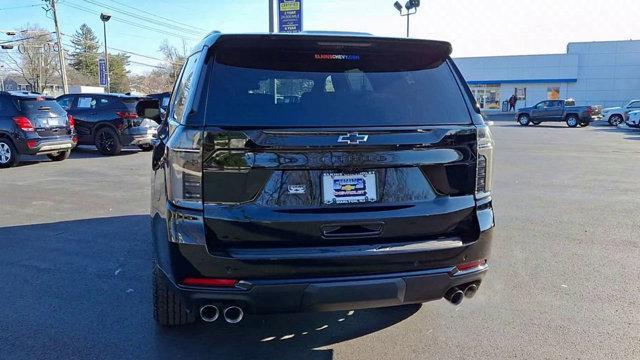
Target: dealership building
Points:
(593, 73)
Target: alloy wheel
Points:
(106, 141)
(5, 153)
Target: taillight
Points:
(127, 115)
(589, 111)
(23, 123)
(185, 162)
(484, 163)
(190, 281)
(72, 122)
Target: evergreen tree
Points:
(118, 73)
(85, 54)
(84, 59)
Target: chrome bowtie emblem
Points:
(352, 138)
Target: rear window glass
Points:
(31, 106)
(130, 103)
(317, 88)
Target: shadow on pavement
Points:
(90, 152)
(82, 289)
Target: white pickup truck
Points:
(618, 115)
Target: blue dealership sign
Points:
(102, 72)
(289, 16)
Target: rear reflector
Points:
(471, 265)
(32, 143)
(209, 282)
(23, 123)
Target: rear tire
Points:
(615, 120)
(8, 154)
(145, 147)
(572, 121)
(169, 308)
(523, 119)
(107, 141)
(59, 156)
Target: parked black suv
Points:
(109, 121)
(316, 172)
(32, 124)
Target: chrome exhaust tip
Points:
(470, 291)
(233, 314)
(454, 296)
(209, 313)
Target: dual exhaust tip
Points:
(231, 314)
(455, 295)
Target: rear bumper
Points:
(311, 279)
(139, 135)
(46, 146)
(334, 294)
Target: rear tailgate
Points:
(46, 116)
(269, 188)
(315, 141)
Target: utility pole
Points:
(63, 70)
(270, 16)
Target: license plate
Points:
(349, 188)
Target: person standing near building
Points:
(512, 102)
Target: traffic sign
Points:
(290, 16)
(102, 72)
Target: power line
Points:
(159, 16)
(19, 7)
(139, 17)
(155, 30)
(121, 50)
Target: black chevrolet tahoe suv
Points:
(318, 172)
(33, 124)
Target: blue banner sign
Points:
(102, 72)
(289, 16)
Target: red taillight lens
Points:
(72, 122)
(209, 282)
(127, 115)
(471, 265)
(32, 143)
(75, 139)
(23, 123)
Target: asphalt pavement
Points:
(75, 265)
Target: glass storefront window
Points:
(553, 93)
(487, 95)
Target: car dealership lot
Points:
(75, 260)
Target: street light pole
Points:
(409, 6)
(270, 16)
(408, 24)
(105, 17)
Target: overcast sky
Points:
(474, 27)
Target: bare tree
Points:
(154, 81)
(174, 59)
(36, 59)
